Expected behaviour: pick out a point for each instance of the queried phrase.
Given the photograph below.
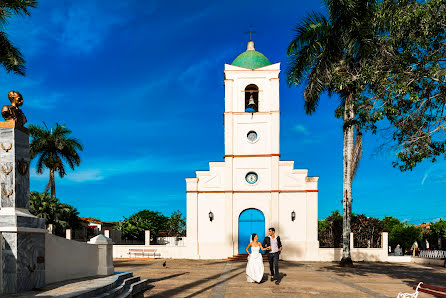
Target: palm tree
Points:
(63, 216)
(53, 147)
(10, 57)
(327, 55)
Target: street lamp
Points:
(211, 216)
(293, 215)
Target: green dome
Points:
(251, 58)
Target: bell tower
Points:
(252, 114)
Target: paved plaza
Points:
(220, 278)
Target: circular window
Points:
(251, 177)
(252, 136)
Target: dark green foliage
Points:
(330, 230)
(133, 228)
(406, 84)
(389, 222)
(53, 148)
(366, 231)
(435, 234)
(405, 235)
(10, 57)
(176, 224)
(62, 216)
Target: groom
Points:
(274, 247)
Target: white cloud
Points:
(435, 173)
(91, 171)
(301, 129)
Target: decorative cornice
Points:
(258, 113)
(252, 155)
(249, 191)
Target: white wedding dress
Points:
(255, 268)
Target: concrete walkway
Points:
(220, 278)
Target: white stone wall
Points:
(69, 259)
(162, 251)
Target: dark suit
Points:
(273, 258)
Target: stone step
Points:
(122, 288)
(136, 289)
(111, 282)
(244, 258)
(121, 284)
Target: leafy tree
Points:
(134, 227)
(62, 216)
(52, 148)
(41, 205)
(367, 231)
(328, 54)
(176, 224)
(407, 84)
(405, 235)
(439, 228)
(10, 57)
(389, 222)
(330, 230)
(438, 233)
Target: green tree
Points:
(10, 57)
(176, 224)
(405, 235)
(62, 216)
(408, 81)
(330, 230)
(389, 222)
(367, 231)
(134, 227)
(438, 233)
(328, 55)
(53, 148)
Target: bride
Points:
(255, 268)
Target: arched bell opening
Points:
(251, 98)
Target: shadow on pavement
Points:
(409, 274)
(176, 290)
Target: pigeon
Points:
(164, 264)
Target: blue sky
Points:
(140, 83)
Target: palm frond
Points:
(10, 57)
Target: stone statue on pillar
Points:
(23, 249)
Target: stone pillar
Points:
(50, 229)
(147, 238)
(352, 243)
(385, 245)
(23, 249)
(68, 234)
(105, 254)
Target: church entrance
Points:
(250, 221)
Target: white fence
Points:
(433, 254)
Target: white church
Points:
(252, 189)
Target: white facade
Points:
(279, 190)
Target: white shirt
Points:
(274, 245)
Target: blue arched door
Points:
(250, 221)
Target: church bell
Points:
(251, 103)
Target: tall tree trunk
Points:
(53, 184)
(347, 181)
(48, 185)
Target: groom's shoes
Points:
(272, 278)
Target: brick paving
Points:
(221, 278)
